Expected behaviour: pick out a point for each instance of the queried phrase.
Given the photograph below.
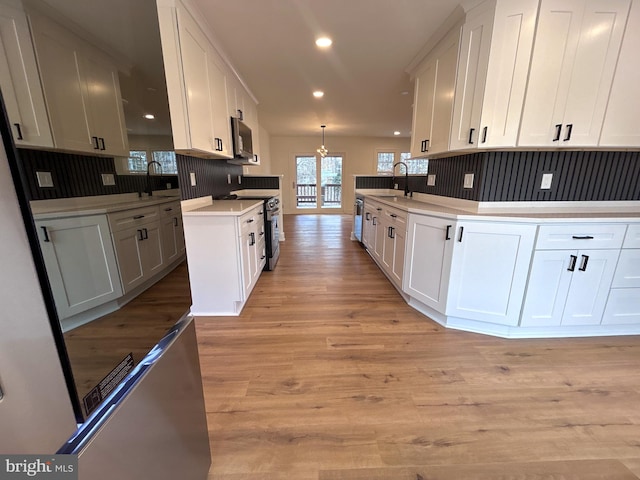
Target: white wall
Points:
(360, 158)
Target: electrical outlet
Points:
(44, 179)
(168, 186)
(431, 180)
(192, 177)
(239, 179)
(395, 186)
(468, 180)
(229, 178)
(545, 184)
(108, 179)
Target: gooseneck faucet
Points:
(406, 176)
(149, 189)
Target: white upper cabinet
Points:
(81, 90)
(493, 65)
(433, 98)
(573, 63)
(20, 81)
(621, 126)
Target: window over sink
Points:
(386, 160)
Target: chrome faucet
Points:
(149, 189)
(406, 176)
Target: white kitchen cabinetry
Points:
(172, 232)
(623, 305)
(574, 58)
(225, 254)
(20, 80)
(571, 274)
(394, 228)
(368, 227)
(493, 64)
(489, 270)
(429, 251)
(205, 90)
(137, 239)
(433, 98)
(621, 126)
(80, 262)
(81, 90)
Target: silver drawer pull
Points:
(583, 237)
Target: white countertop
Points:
(526, 214)
(100, 205)
(223, 208)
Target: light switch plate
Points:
(168, 186)
(239, 179)
(547, 178)
(468, 180)
(44, 179)
(431, 180)
(229, 178)
(192, 177)
(395, 186)
(108, 179)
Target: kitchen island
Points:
(511, 272)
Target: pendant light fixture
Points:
(322, 150)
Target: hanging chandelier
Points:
(323, 150)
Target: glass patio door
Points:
(313, 195)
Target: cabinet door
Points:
(169, 239)
(548, 286)
(473, 61)
(590, 284)
(80, 263)
(20, 81)
(511, 45)
(64, 87)
(489, 270)
(151, 251)
(387, 247)
(366, 226)
(621, 127)
(104, 103)
(399, 247)
(574, 58)
(443, 100)
(194, 47)
(623, 307)
(423, 101)
(628, 269)
(128, 247)
(221, 121)
(429, 248)
(380, 228)
(248, 262)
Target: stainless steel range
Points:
(271, 209)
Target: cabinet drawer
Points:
(397, 218)
(170, 209)
(580, 235)
(632, 238)
(119, 221)
(251, 220)
(628, 269)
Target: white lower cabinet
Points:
(80, 262)
(429, 249)
(489, 270)
(368, 227)
(225, 255)
(568, 287)
(137, 239)
(172, 232)
(623, 305)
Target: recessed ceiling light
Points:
(324, 42)
(148, 116)
(318, 94)
(396, 132)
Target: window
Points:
(168, 161)
(138, 161)
(417, 166)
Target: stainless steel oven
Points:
(271, 209)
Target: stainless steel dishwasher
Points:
(358, 208)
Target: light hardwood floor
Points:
(327, 374)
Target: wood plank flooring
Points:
(328, 375)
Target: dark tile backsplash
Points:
(260, 183)
(77, 175)
(510, 176)
(211, 177)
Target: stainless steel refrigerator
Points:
(153, 426)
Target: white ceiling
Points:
(271, 44)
